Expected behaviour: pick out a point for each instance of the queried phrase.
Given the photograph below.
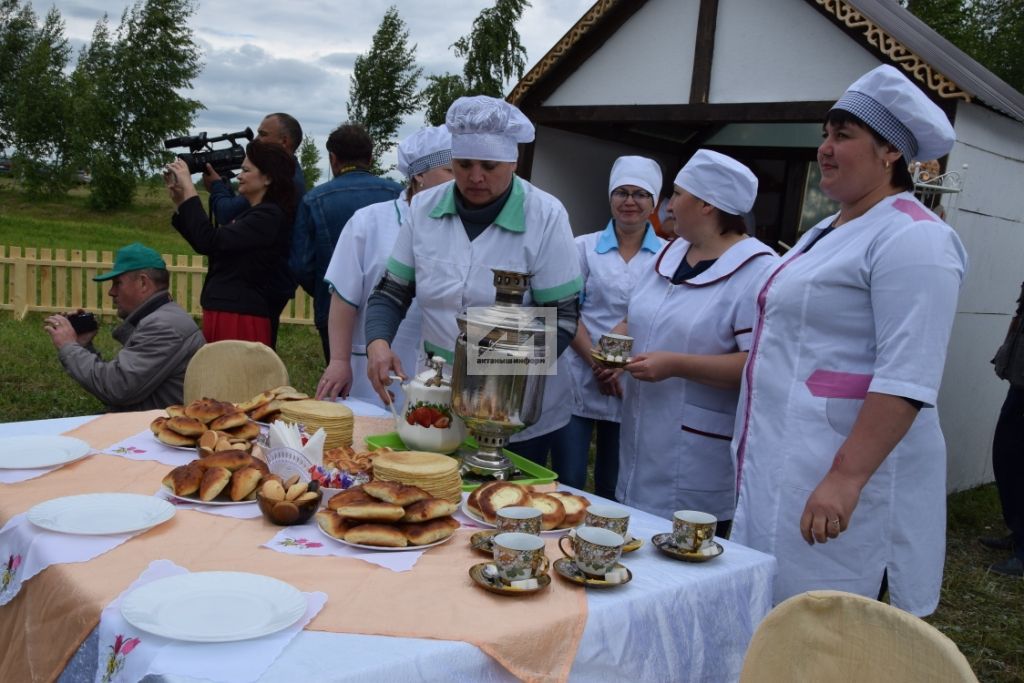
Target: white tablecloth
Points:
(674, 621)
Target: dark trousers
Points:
(570, 453)
(1008, 464)
(325, 341)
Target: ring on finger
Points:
(835, 523)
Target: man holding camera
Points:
(158, 337)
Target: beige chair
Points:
(233, 371)
(831, 636)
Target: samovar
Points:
(498, 376)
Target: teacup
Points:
(693, 530)
(614, 345)
(519, 556)
(595, 551)
(520, 519)
(608, 517)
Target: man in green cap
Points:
(158, 338)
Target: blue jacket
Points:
(322, 214)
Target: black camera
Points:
(83, 322)
(224, 161)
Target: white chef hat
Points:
(720, 181)
(639, 171)
(487, 128)
(891, 105)
(425, 149)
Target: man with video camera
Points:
(158, 337)
(225, 205)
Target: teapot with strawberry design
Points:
(427, 423)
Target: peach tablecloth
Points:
(535, 638)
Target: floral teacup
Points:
(595, 551)
(526, 520)
(519, 556)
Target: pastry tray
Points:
(529, 471)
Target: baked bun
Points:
(208, 441)
(156, 424)
(263, 412)
(214, 481)
(229, 421)
(243, 482)
(431, 508)
(473, 501)
(260, 465)
(206, 409)
(186, 426)
(255, 402)
(377, 534)
(247, 430)
(333, 524)
(575, 507)
(173, 438)
(375, 511)
(353, 495)
(429, 532)
(552, 510)
(394, 492)
(184, 480)
(501, 494)
(177, 410)
(229, 460)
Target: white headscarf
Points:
(720, 181)
(639, 171)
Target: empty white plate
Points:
(30, 452)
(101, 513)
(214, 607)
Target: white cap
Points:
(487, 129)
(639, 171)
(895, 108)
(720, 181)
(425, 149)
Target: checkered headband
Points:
(432, 160)
(880, 120)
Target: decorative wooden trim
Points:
(892, 49)
(703, 52)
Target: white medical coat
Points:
(355, 269)
(675, 434)
(531, 234)
(608, 283)
(869, 308)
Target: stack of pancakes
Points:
(434, 473)
(335, 419)
(388, 514)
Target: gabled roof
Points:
(882, 26)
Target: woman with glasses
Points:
(612, 262)
(691, 320)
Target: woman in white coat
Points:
(837, 437)
(425, 159)
(690, 319)
(612, 261)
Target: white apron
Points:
(608, 283)
(674, 440)
(869, 308)
(530, 235)
(355, 269)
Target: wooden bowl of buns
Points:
(287, 505)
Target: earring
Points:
(887, 166)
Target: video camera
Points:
(224, 161)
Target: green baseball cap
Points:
(135, 256)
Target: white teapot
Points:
(427, 422)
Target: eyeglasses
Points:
(636, 195)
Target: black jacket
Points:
(247, 257)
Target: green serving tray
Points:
(531, 471)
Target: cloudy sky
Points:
(297, 55)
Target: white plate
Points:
(177, 448)
(382, 547)
(466, 510)
(214, 607)
(101, 513)
(198, 501)
(30, 452)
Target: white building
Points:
(754, 79)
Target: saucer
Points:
(483, 541)
(602, 360)
(567, 569)
(632, 543)
(495, 585)
(663, 542)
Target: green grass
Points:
(981, 612)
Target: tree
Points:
(17, 33)
(383, 84)
(127, 95)
(493, 53)
(39, 111)
(309, 160)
